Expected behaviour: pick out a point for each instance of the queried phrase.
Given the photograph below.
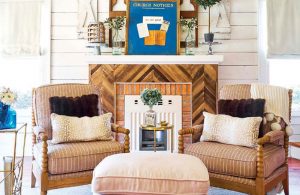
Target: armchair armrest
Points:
(271, 137)
(39, 134)
(125, 137)
(195, 132)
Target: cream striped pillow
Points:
(231, 130)
(71, 129)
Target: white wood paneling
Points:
(241, 19)
(103, 5)
(237, 32)
(68, 59)
(241, 6)
(68, 46)
(59, 81)
(64, 6)
(244, 6)
(70, 73)
(238, 59)
(294, 138)
(238, 72)
(240, 46)
(296, 120)
(64, 32)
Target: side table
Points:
(13, 176)
(159, 128)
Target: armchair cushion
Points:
(75, 157)
(86, 105)
(231, 130)
(70, 129)
(236, 160)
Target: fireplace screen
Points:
(147, 140)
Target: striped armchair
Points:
(66, 164)
(247, 170)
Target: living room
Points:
(149, 97)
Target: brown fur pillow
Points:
(243, 108)
(86, 105)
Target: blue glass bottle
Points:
(8, 117)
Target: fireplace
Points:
(169, 109)
(117, 76)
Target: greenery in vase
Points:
(189, 24)
(151, 97)
(207, 4)
(116, 23)
(7, 97)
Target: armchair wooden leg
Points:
(43, 192)
(285, 184)
(260, 188)
(33, 180)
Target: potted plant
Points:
(117, 25)
(150, 97)
(209, 37)
(189, 25)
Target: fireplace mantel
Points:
(155, 59)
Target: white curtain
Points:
(283, 19)
(20, 23)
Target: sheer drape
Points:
(283, 18)
(20, 23)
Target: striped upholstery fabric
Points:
(41, 105)
(235, 160)
(75, 157)
(36, 169)
(280, 171)
(71, 175)
(250, 182)
(239, 91)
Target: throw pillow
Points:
(243, 108)
(86, 105)
(71, 129)
(231, 130)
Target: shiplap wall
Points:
(240, 52)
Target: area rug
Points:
(86, 190)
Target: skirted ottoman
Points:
(150, 173)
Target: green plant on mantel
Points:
(151, 97)
(189, 24)
(207, 4)
(117, 23)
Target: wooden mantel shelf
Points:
(155, 59)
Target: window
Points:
(285, 73)
(21, 74)
(283, 70)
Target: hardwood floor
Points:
(294, 174)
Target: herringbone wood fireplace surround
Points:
(202, 77)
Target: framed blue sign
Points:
(152, 27)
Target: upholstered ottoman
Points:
(150, 173)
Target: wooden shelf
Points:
(295, 144)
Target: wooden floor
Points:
(294, 173)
